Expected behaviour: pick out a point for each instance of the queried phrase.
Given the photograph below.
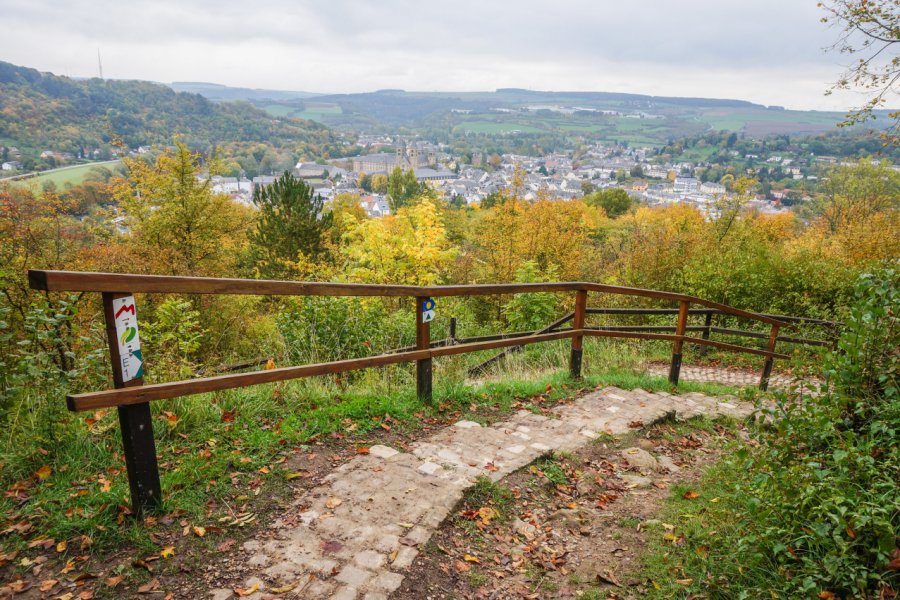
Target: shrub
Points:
(811, 509)
(829, 468)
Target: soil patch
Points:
(569, 526)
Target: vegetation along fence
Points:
(131, 397)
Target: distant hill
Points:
(215, 91)
(593, 116)
(42, 111)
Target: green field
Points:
(497, 127)
(312, 111)
(279, 110)
(68, 175)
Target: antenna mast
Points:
(99, 63)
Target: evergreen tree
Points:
(290, 228)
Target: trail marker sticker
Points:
(128, 338)
(427, 310)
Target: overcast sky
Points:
(767, 51)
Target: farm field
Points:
(312, 111)
(67, 175)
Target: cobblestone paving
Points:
(726, 376)
(353, 537)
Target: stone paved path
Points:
(353, 537)
(723, 375)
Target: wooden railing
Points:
(828, 331)
(132, 397)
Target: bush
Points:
(321, 329)
(811, 511)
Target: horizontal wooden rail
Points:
(76, 281)
(175, 389)
(132, 397)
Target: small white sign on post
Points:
(428, 310)
(128, 338)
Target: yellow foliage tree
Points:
(410, 247)
(178, 224)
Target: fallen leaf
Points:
(826, 595)
(171, 417)
(86, 595)
(167, 552)
(48, 584)
(246, 592)
(149, 587)
(470, 558)
(283, 589)
(114, 580)
(690, 495)
(331, 546)
(44, 472)
(61, 547)
(199, 531)
(608, 577)
(270, 364)
(333, 502)
(362, 450)
(228, 416)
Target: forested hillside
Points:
(42, 111)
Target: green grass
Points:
(73, 175)
(552, 470)
(210, 465)
(279, 110)
(675, 562)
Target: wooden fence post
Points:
(770, 360)
(578, 341)
(453, 329)
(707, 325)
(424, 310)
(134, 419)
(680, 325)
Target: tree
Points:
(402, 187)
(290, 229)
(858, 193)
(365, 182)
(179, 225)
(870, 32)
(614, 201)
(409, 247)
(379, 183)
(587, 187)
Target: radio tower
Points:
(99, 63)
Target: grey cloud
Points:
(356, 45)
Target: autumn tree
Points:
(38, 231)
(870, 32)
(379, 183)
(290, 228)
(857, 193)
(409, 247)
(178, 224)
